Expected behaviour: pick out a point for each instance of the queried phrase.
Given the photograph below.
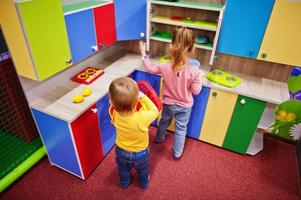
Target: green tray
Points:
(223, 78)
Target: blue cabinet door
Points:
(194, 125)
(81, 34)
(107, 130)
(152, 79)
(56, 136)
(130, 19)
(243, 27)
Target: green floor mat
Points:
(13, 151)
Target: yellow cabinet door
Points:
(15, 39)
(282, 41)
(218, 114)
(172, 125)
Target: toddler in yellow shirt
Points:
(132, 142)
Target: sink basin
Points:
(223, 78)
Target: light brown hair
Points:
(123, 94)
(181, 47)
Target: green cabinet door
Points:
(243, 124)
(44, 26)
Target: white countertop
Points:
(58, 103)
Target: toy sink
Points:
(223, 78)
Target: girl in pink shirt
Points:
(180, 81)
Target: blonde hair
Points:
(181, 47)
(123, 94)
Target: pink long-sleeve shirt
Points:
(178, 86)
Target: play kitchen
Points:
(240, 88)
(82, 131)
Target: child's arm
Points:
(196, 85)
(146, 62)
(150, 113)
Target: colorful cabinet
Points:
(45, 31)
(218, 114)
(243, 27)
(15, 39)
(81, 34)
(195, 123)
(282, 42)
(104, 17)
(130, 19)
(74, 147)
(246, 116)
(107, 130)
(87, 139)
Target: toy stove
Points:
(88, 75)
(223, 78)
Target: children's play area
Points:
(59, 57)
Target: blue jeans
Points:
(127, 160)
(181, 115)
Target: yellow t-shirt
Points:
(132, 131)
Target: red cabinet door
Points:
(104, 19)
(87, 140)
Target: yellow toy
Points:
(87, 91)
(78, 98)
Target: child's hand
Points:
(140, 94)
(142, 48)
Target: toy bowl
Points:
(201, 39)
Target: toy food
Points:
(78, 98)
(90, 71)
(83, 76)
(87, 91)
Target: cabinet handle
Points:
(251, 53)
(214, 94)
(95, 48)
(242, 102)
(263, 55)
(69, 61)
(94, 110)
(142, 34)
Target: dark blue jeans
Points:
(127, 160)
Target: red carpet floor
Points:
(204, 172)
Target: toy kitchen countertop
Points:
(58, 102)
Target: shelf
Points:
(196, 24)
(77, 7)
(207, 46)
(187, 4)
(267, 118)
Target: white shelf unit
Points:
(201, 26)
